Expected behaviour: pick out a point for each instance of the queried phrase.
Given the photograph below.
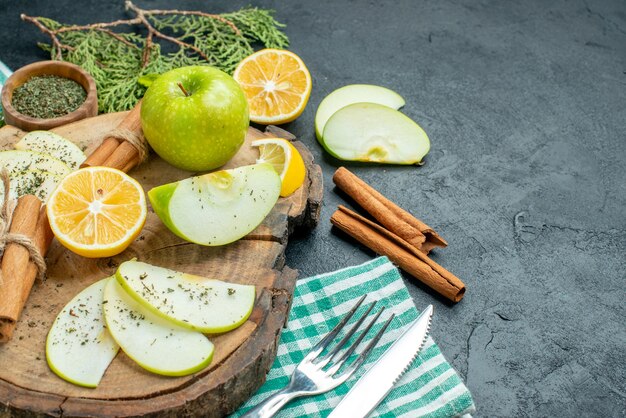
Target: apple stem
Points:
(183, 89)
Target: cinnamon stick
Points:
(104, 151)
(390, 215)
(400, 252)
(116, 152)
(42, 240)
(125, 157)
(18, 271)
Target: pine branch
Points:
(190, 13)
(117, 59)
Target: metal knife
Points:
(381, 377)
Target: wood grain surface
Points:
(242, 357)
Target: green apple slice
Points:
(37, 182)
(220, 207)
(156, 344)
(16, 161)
(79, 348)
(375, 133)
(353, 93)
(55, 145)
(194, 302)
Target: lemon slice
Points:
(277, 85)
(285, 159)
(97, 211)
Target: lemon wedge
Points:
(285, 159)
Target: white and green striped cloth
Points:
(431, 388)
(4, 74)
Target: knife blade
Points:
(381, 377)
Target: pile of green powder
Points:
(48, 96)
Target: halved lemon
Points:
(97, 211)
(285, 159)
(277, 85)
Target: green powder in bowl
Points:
(48, 96)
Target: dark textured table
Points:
(525, 105)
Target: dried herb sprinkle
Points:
(48, 96)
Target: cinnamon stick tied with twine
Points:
(390, 215)
(400, 252)
(124, 148)
(25, 237)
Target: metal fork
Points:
(310, 377)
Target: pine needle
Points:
(117, 59)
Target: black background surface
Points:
(525, 106)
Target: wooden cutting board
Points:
(242, 357)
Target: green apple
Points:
(194, 302)
(353, 93)
(54, 145)
(154, 343)
(374, 133)
(79, 348)
(195, 118)
(220, 207)
(19, 161)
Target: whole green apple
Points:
(195, 118)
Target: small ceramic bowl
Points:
(88, 109)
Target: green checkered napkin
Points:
(430, 388)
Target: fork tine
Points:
(333, 353)
(320, 346)
(354, 346)
(344, 358)
(363, 356)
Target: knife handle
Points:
(272, 404)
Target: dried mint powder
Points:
(48, 96)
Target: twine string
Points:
(137, 141)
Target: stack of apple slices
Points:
(155, 315)
(361, 122)
(39, 162)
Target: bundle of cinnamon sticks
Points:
(400, 236)
(18, 269)
(118, 150)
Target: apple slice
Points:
(194, 302)
(375, 133)
(154, 343)
(353, 93)
(54, 145)
(17, 161)
(220, 207)
(37, 182)
(79, 348)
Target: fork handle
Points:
(272, 404)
